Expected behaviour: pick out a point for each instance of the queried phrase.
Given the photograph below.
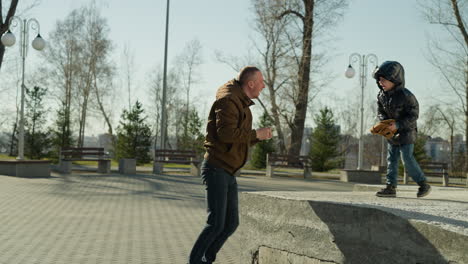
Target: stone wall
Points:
(324, 227)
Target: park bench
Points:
(288, 161)
(189, 157)
(68, 155)
(439, 169)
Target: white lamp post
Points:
(350, 72)
(8, 39)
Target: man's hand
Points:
(264, 133)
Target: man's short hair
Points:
(247, 74)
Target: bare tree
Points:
(451, 57)
(274, 57)
(79, 69)
(4, 24)
(289, 30)
(187, 63)
(172, 101)
(155, 87)
(8, 13)
(446, 116)
(129, 63)
(62, 68)
(101, 90)
(98, 67)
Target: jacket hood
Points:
(392, 71)
(233, 89)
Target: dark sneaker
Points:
(389, 191)
(424, 189)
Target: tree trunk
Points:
(2, 53)
(13, 141)
(464, 33)
(101, 107)
(66, 129)
(4, 24)
(84, 111)
(465, 169)
(297, 129)
(279, 129)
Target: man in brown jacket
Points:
(229, 136)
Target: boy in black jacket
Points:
(396, 102)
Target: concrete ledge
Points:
(276, 256)
(404, 188)
(104, 166)
(25, 168)
(195, 169)
(324, 227)
(65, 167)
(361, 176)
(127, 166)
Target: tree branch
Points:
(460, 25)
(289, 11)
(11, 13)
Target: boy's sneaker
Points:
(424, 189)
(389, 191)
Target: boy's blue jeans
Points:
(409, 162)
(223, 213)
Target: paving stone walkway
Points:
(92, 218)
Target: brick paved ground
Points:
(92, 218)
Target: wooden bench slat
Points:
(175, 156)
(86, 159)
(288, 161)
(433, 169)
(83, 149)
(180, 156)
(84, 154)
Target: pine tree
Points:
(324, 140)
(134, 135)
(37, 141)
(419, 151)
(263, 147)
(61, 135)
(192, 138)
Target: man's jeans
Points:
(223, 213)
(409, 162)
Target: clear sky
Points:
(393, 30)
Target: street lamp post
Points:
(8, 39)
(164, 91)
(363, 60)
(157, 167)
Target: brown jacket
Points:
(229, 129)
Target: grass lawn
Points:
(6, 157)
(115, 163)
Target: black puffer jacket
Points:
(399, 103)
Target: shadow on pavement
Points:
(369, 235)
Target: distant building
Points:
(438, 149)
(374, 151)
(90, 141)
(105, 141)
(459, 145)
